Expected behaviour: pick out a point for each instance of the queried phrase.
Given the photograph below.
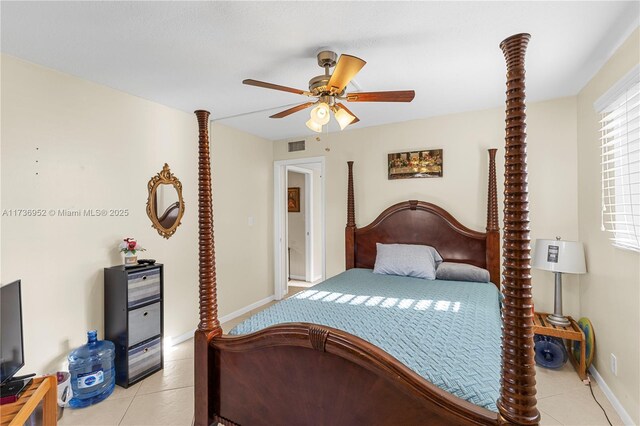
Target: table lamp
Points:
(559, 257)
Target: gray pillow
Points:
(462, 272)
(407, 260)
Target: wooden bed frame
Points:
(308, 374)
(417, 222)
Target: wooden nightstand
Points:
(570, 333)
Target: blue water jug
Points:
(92, 371)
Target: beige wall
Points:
(610, 291)
(243, 214)
(296, 229)
(463, 189)
(96, 148)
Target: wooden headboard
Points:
(418, 222)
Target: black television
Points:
(11, 338)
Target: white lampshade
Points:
(559, 256)
(343, 117)
(320, 114)
(314, 126)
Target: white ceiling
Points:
(194, 55)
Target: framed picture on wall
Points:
(425, 163)
(293, 200)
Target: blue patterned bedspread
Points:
(446, 331)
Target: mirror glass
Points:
(165, 206)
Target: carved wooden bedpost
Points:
(350, 230)
(493, 228)
(209, 325)
(517, 402)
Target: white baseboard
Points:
(189, 334)
(298, 277)
(182, 338)
(626, 418)
(246, 309)
(304, 282)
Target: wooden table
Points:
(41, 389)
(570, 333)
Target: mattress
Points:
(446, 331)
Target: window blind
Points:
(620, 161)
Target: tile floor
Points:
(166, 398)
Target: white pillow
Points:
(407, 260)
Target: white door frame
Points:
(280, 220)
(309, 273)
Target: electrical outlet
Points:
(614, 365)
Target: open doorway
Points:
(299, 224)
(303, 226)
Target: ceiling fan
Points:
(329, 90)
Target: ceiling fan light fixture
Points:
(311, 124)
(343, 117)
(320, 114)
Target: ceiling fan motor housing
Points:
(318, 84)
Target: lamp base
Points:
(558, 320)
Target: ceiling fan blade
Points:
(346, 68)
(290, 111)
(266, 85)
(341, 105)
(394, 96)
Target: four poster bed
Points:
(298, 373)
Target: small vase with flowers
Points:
(130, 247)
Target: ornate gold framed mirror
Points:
(165, 206)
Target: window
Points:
(620, 159)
